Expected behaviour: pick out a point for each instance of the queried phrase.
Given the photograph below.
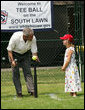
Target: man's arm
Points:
(34, 49)
(11, 58)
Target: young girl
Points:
(72, 80)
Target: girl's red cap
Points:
(67, 37)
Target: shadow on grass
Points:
(80, 94)
(61, 94)
(12, 96)
(51, 93)
(45, 93)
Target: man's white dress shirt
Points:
(17, 44)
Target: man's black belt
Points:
(15, 54)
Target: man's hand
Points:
(13, 63)
(35, 54)
(37, 59)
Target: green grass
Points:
(50, 82)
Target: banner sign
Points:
(15, 15)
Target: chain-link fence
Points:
(68, 17)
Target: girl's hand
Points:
(63, 68)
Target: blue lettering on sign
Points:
(21, 21)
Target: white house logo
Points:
(4, 16)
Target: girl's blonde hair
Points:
(71, 42)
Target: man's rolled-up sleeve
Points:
(11, 44)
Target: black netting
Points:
(68, 17)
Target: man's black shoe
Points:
(29, 92)
(32, 93)
(19, 95)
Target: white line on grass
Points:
(53, 96)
